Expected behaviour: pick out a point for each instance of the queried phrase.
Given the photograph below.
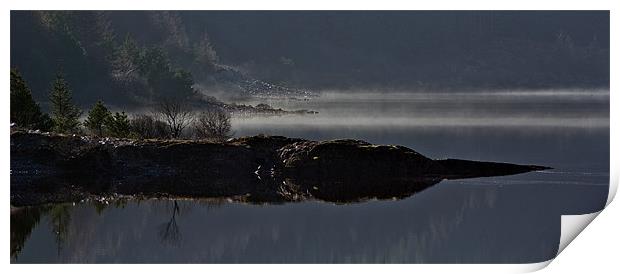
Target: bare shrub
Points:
(146, 127)
(176, 114)
(213, 124)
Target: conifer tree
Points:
(118, 125)
(96, 119)
(25, 112)
(65, 114)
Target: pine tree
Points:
(126, 58)
(97, 117)
(118, 125)
(65, 114)
(25, 111)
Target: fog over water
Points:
(506, 219)
(561, 108)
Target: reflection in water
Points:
(23, 221)
(510, 219)
(60, 218)
(169, 232)
(454, 221)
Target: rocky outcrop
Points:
(54, 168)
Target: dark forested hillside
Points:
(133, 57)
(109, 56)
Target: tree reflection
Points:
(25, 219)
(60, 218)
(23, 222)
(169, 232)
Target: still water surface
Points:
(510, 219)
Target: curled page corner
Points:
(533, 267)
(572, 225)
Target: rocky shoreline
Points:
(263, 109)
(51, 168)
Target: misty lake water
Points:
(509, 219)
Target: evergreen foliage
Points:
(96, 119)
(117, 125)
(25, 112)
(65, 114)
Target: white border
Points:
(313, 5)
(599, 246)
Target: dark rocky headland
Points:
(49, 168)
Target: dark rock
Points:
(458, 169)
(54, 168)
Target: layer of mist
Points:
(388, 111)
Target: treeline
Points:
(106, 55)
(170, 118)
